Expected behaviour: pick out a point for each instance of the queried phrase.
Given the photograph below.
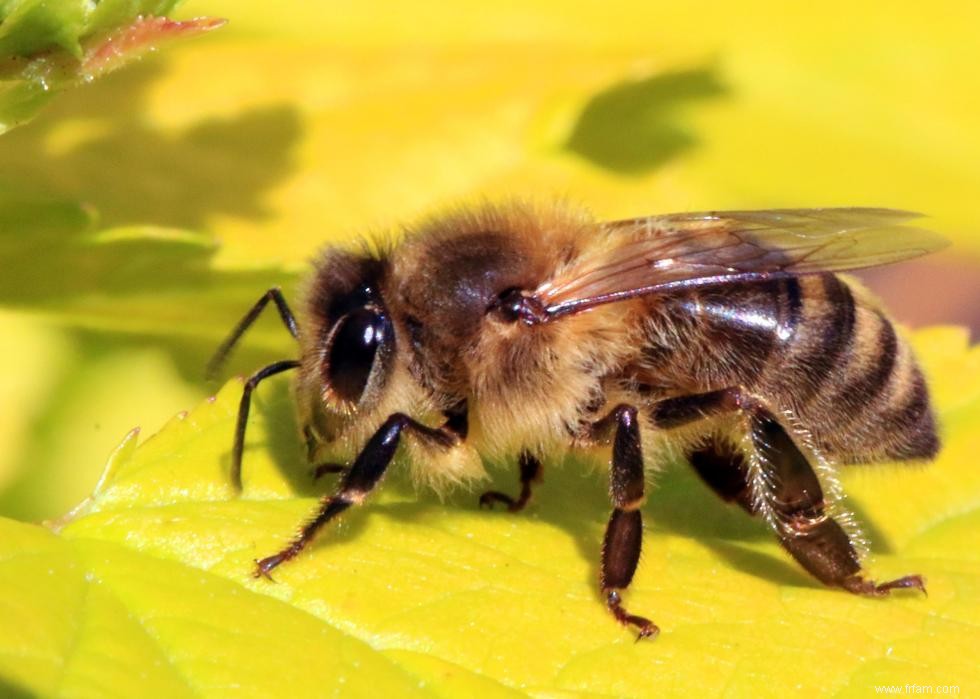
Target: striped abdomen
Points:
(814, 345)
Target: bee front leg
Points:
(244, 406)
(221, 354)
(530, 473)
(357, 482)
(624, 533)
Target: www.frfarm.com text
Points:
(920, 689)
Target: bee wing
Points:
(660, 253)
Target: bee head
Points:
(350, 349)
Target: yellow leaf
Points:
(152, 575)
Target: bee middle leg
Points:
(723, 469)
(624, 532)
(789, 488)
(720, 466)
(530, 473)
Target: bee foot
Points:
(860, 586)
(323, 469)
(266, 565)
(492, 496)
(644, 627)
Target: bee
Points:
(523, 331)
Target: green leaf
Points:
(47, 46)
(145, 280)
(108, 328)
(31, 26)
(146, 587)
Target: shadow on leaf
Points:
(636, 125)
(98, 145)
(11, 691)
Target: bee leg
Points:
(724, 470)
(238, 446)
(289, 320)
(804, 527)
(321, 470)
(720, 465)
(530, 473)
(318, 470)
(624, 533)
(358, 481)
(683, 410)
(791, 489)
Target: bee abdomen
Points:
(831, 322)
(915, 423)
(809, 344)
(854, 381)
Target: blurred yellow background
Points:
(189, 183)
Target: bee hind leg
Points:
(776, 479)
(624, 533)
(786, 487)
(530, 473)
(792, 493)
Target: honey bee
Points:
(520, 331)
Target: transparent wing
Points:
(658, 253)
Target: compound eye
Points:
(354, 347)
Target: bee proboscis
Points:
(520, 331)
